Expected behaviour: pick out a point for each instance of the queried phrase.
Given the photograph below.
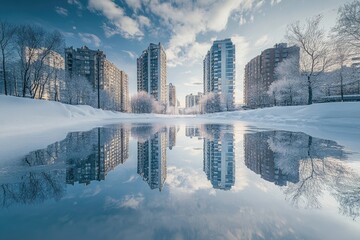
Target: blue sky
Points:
(186, 28)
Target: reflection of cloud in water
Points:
(128, 201)
(186, 180)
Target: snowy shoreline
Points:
(23, 115)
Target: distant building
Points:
(219, 71)
(192, 100)
(93, 65)
(191, 131)
(172, 101)
(219, 156)
(151, 72)
(260, 73)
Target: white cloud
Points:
(188, 19)
(90, 38)
(77, 3)
(134, 4)
(128, 201)
(132, 55)
(144, 21)
(274, 2)
(61, 11)
(122, 24)
(262, 41)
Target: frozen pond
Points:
(205, 181)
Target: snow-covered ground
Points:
(27, 124)
(23, 115)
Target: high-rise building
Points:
(219, 71)
(86, 63)
(260, 73)
(219, 156)
(93, 65)
(151, 72)
(152, 160)
(116, 85)
(172, 101)
(192, 100)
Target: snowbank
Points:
(346, 114)
(23, 115)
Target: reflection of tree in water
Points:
(81, 157)
(318, 164)
(35, 187)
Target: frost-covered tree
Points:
(78, 90)
(288, 89)
(141, 103)
(311, 39)
(211, 103)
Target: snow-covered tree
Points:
(211, 103)
(288, 89)
(311, 39)
(78, 90)
(142, 102)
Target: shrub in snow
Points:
(142, 102)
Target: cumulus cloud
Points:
(188, 19)
(90, 38)
(61, 11)
(120, 22)
(263, 40)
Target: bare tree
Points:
(313, 49)
(7, 31)
(348, 23)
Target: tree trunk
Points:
(4, 71)
(341, 85)
(310, 97)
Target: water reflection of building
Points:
(262, 160)
(191, 131)
(109, 147)
(152, 160)
(81, 157)
(171, 137)
(219, 156)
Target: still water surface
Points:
(212, 181)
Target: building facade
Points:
(219, 71)
(172, 101)
(192, 100)
(101, 73)
(116, 85)
(260, 73)
(151, 72)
